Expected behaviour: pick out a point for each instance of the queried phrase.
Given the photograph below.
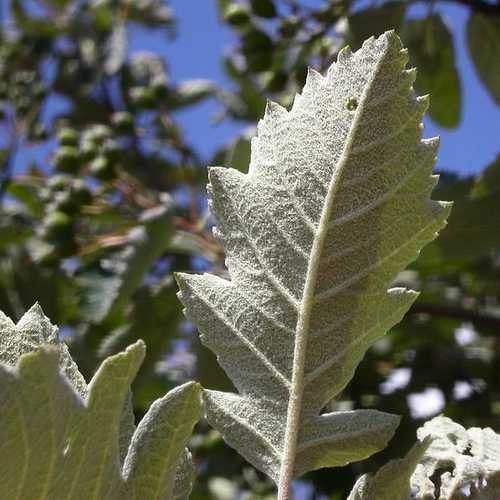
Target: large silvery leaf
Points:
(59, 442)
(467, 463)
(335, 204)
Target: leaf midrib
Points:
(307, 303)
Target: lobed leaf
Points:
(158, 443)
(62, 440)
(32, 331)
(335, 204)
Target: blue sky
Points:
(196, 53)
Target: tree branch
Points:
(483, 6)
(480, 6)
(479, 319)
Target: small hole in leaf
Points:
(467, 451)
(436, 478)
(351, 104)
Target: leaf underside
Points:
(63, 440)
(467, 462)
(335, 204)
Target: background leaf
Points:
(483, 39)
(375, 21)
(431, 50)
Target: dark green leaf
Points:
(374, 21)
(483, 39)
(255, 40)
(488, 182)
(13, 230)
(26, 282)
(105, 295)
(236, 15)
(153, 318)
(264, 8)
(248, 104)
(473, 229)
(239, 154)
(430, 44)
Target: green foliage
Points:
(474, 219)
(375, 21)
(431, 45)
(483, 38)
(64, 439)
(146, 243)
(77, 96)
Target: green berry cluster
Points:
(95, 148)
(65, 198)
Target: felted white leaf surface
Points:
(336, 202)
(61, 443)
(466, 461)
(32, 331)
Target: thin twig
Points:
(8, 167)
(480, 6)
(479, 319)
